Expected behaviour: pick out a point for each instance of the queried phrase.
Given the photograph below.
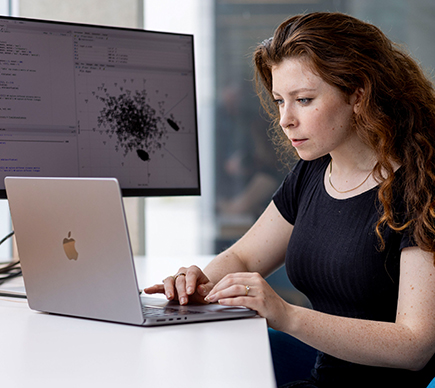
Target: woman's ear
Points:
(357, 99)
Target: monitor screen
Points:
(91, 101)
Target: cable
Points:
(6, 237)
(12, 269)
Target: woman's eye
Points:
(304, 101)
(278, 101)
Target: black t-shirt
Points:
(334, 258)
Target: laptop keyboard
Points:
(167, 311)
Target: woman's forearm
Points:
(262, 249)
(223, 264)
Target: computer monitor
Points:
(82, 100)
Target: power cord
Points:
(9, 270)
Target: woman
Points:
(354, 219)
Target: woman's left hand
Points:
(250, 290)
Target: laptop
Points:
(76, 257)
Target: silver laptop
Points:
(76, 257)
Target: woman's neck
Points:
(350, 172)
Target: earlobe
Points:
(358, 95)
(356, 108)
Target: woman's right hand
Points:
(188, 285)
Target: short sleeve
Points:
(286, 197)
(400, 210)
(407, 240)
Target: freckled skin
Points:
(312, 110)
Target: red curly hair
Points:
(397, 115)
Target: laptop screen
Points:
(91, 101)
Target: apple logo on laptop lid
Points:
(69, 247)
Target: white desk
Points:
(41, 350)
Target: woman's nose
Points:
(287, 119)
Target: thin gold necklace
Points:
(345, 191)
